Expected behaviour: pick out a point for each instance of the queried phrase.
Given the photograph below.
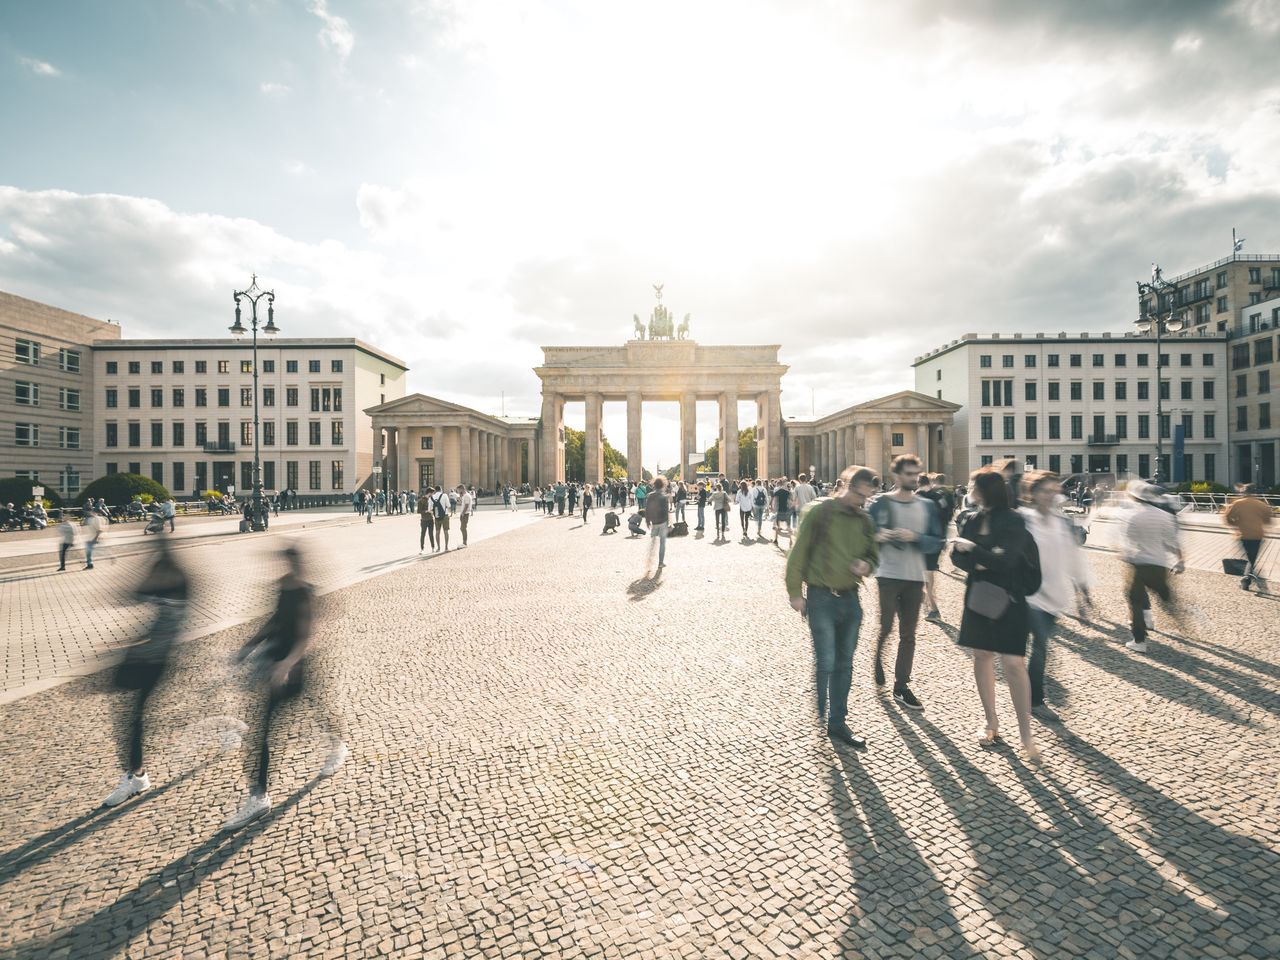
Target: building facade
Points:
(1086, 403)
(1210, 297)
(1255, 364)
(47, 392)
(181, 412)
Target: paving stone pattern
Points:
(554, 756)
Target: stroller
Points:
(155, 523)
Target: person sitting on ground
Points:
(611, 522)
(635, 523)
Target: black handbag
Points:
(987, 599)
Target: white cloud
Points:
(296, 168)
(336, 34)
(40, 67)
(275, 90)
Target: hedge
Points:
(17, 490)
(119, 488)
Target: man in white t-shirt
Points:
(439, 506)
(801, 495)
(465, 504)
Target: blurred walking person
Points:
(834, 549)
(1149, 541)
(92, 534)
(1063, 571)
(745, 507)
(1250, 517)
(66, 538)
(657, 511)
(1003, 564)
(946, 506)
(279, 651)
(720, 501)
(166, 588)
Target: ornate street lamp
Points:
(253, 295)
(1161, 318)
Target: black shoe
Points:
(908, 699)
(845, 735)
(879, 675)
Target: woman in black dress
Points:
(1001, 559)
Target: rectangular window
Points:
(1264, 416)
(268, 396)
(313, 432)
(28, 352)
(135, 396)
(69, 438)
(268, 366)
(1122, 426)
(291, 474)
(68, 360)
(315, 399)
(179, 477)
(1208, 390)
(268, 433)
(335, 366)
(1031, 429)
(224, 396)
(202, 366)
(291, 366)
(1099, 390)
(1207, 359)
(1099, 427)
(1076, 359)
(178, 366)
(986, 460)
(1055, 463)
(313, 473)
(179, 397)
(1262, 351)
(269, 475)
(135, 467)
(986, 428)
(1187, 425)
(1077, 427)
(1239, 356)
(1264, 381)
(984, 361)
(1255, 274)
(1222, 305)
(246, 432)
(113, 397)
(202, 433)
(335, 434)
(1007, 360)
(337, 399)
(246, 475)
(1122, 359)
(1098, 360)
(895, 440)
(1222, 280)
(157, 433)
(1165, 433)
(427, 443)
(290, 396)
(112, 367)
(1242, 385)
(1144, 426)
(335, 468)
(291, 433)
(1144, 360)
(1077, 390)
(1144, 389)
(1164, 389)
(1122, 390)
(135, 366)
(1185, 389)
(246, 366)
(1029, 390)
(178, 433)
(1122, 464)
(1077, 463)
(113, 434)
(246, 396)
(157, 397)
(135, 436)
(1210, 467)
(1052, 360)
(1055, 427)
(1055, 390)
(1184, 359)
(26, 394)
(224, 366)
(202, 397)
(157, 471)
(1164, 359)
(313, 366)
(69, 398)
(1028, 360)
(157, 366)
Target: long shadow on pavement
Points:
(113, 927)
(892, 881)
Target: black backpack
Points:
(761, 499)
(437, 504)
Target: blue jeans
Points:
(834, 623)
(1041, 626)
(659, 530)
(702, 511)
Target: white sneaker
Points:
(1136, 647)
(254, 806)
(1148, 619)
(337, 757)
(128, 786)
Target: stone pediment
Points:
(418, 404)
(906, 400)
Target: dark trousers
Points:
(462, 523)
(901, 598)
(1041, 627)
(833, 624)
(62, 555)
(1144, 577)
(722, 523)
(560, 508)
(1251, 548)
(427, 531)
(275, 700)
(143, 680)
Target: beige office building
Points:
(181, 412)
(1255, 364)
(46, 393)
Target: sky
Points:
(461, 183)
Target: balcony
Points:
(1104, 439)
(220, 446)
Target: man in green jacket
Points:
(834, 549)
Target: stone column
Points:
(392, 458)
(842, 454)
(946, 456)
(404, 459)
(922, 443)
(374, 461)
(473, 458)
(860, 444)
(552, 438)
(775, 431)
(635, 414)
(464, 456)
(688, 436)
(593, 445)
(886, 443)
(729, 435)
(764, 435)
(491, 441)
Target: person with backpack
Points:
(834, 550)
(1063, 571)
(781, 508)
(1003, 565)
(438, 505)
(1250, 517)
(426, 522)
(759, 500)
(946, 506)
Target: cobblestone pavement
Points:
(63, 624)
(554, 755)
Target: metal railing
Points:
(1103, 439)
(1234, 258)
(219, 446)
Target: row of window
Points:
(223, 366)
(323, 399)
(1242, 383)
(27, 394)
(999, 393)
(28, 352)
(177, 480)
(178, 433)
(1031, 426)
(68, 482)
(1264, 417)
(1099, 360)
(28, 435)
(1262, 352)
(1101, 463)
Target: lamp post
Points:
(1158, 319)
(253, 294)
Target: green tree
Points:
(615, 462)
(575, 457)
(119, 488)
(17, 490)
(746, 454)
